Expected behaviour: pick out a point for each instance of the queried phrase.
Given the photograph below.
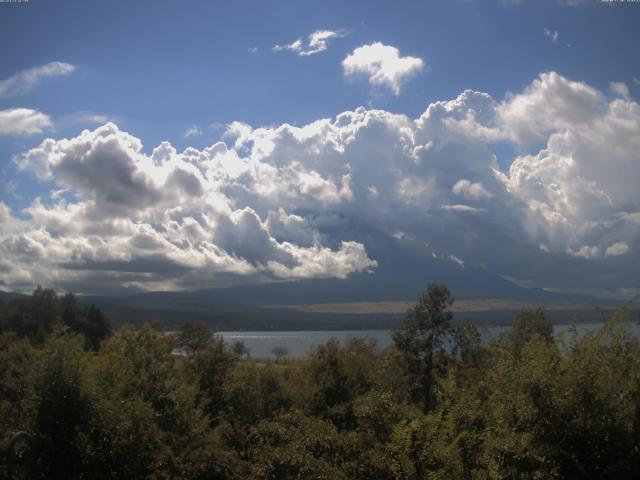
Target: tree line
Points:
(440, 403)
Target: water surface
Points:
(299, 343)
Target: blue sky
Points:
(158, 69)
(163, 66)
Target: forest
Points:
(440, 403)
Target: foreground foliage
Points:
(439, 404)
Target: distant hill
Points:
(171, 309)
(6, 296)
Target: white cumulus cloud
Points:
(382, 64)
(619, 248)
(550, 103)
(165, 220)
(470, 190)
(23, 121)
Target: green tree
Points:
(295, 447)
(33, 317)
(377, 417)
(526, 325)
(469, 353)
(252, 394)
(146, 421)
(194, 336)
(89, 321)
(16, 387)
(209, 368)
(240, 349)
(279, 352)
(421, 340)
(335, 376)
(570, 412)
(61, 406)
(467, 344)
(98, 327)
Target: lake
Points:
(299, 343)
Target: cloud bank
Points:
(269, 203)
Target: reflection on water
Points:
(300, 343)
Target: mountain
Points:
(401, 276)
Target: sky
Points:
(173, 145)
